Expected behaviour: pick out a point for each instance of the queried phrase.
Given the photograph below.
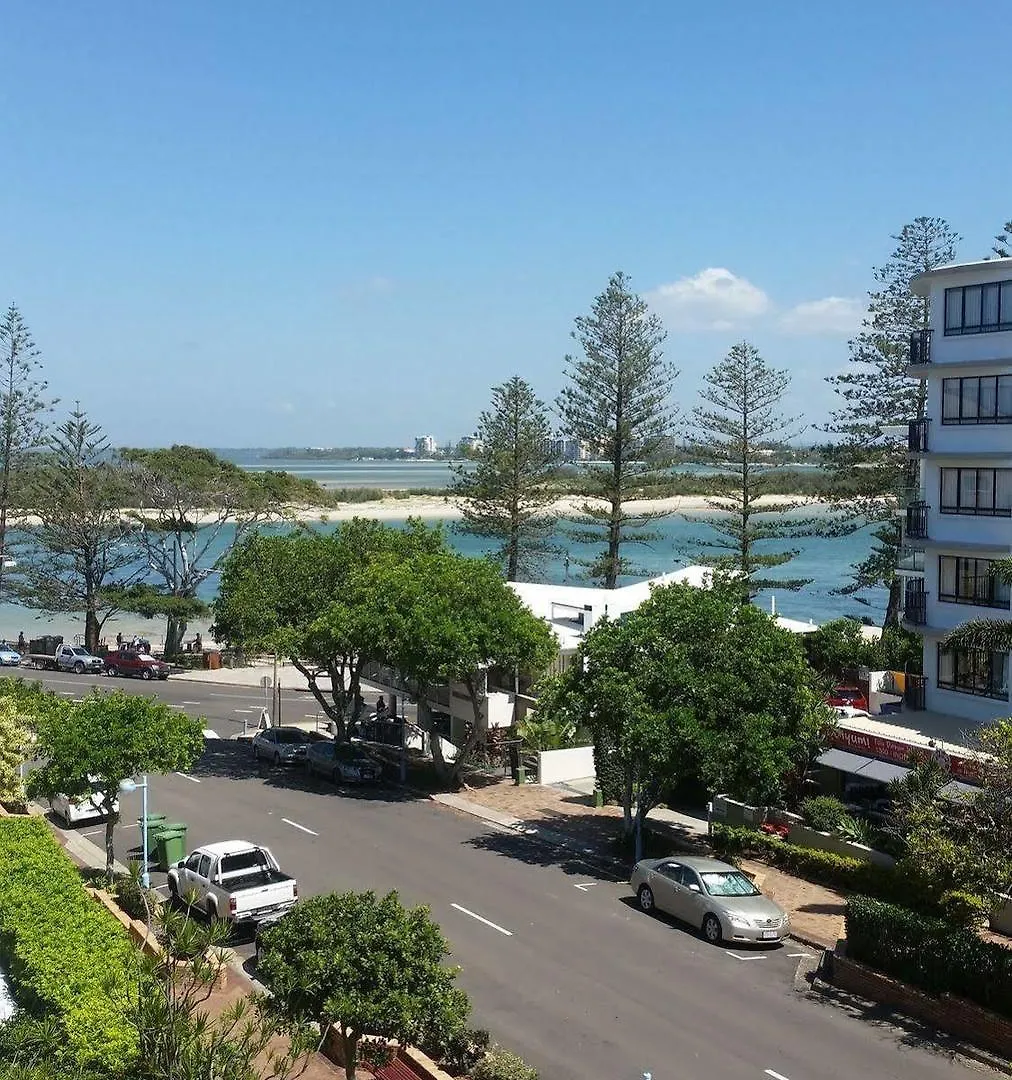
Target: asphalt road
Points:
(558, 963)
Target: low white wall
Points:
(803, 836)
(558, 766)
(730, 811)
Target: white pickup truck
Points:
(234, 880)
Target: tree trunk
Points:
(892, 615)
(627, 797)
(110, 852)
(91, 631)
(175, 629)
(349, 1046)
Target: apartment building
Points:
(425, 446)
(961, 519)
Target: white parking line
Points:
(751, 956)
(481, 919)
(191, 703)
(93, 832)
(806, 955)
(157, 887)
(775, 1075)
(209, 733)
(301, 828)
(244, 710)
(192, 779)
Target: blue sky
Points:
(325, 223)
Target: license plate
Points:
(769, 935)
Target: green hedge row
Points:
(931, 954)
(822, 867)
(64, 953)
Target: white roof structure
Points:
(572, 610)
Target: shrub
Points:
(131, 894)
(461, 1051)
(502, 1064)
(824, 813)
(839, 872)
(929, 953)
(855, 830)
(965, 908)
(64, 953)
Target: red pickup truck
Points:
(133, 662)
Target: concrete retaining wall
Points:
(558, 766)
(732, 812)
(954, 1015)
(803, 836)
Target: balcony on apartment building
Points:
(915, 603)
(910, 561)
(920, 348)
(917, 521)
(917, 436)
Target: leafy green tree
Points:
(195, 507)
(877, 395)
(739, 430)
(618, 403)
(506, 494)
(693, 686)
(838, 648)
(15, 742)
(307, 596)
(444, 619)
(363, 965)
(990, 635)
(79, 553)
(106, 739)
(23, 407)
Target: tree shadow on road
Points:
(905, 1030)
(539, 851)
(232, 759)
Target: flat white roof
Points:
(572, 610)
(920, 284)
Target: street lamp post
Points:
(132, 785)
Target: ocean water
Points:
(827, 562)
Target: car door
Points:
(664, 881)
(693, 896)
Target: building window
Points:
(969, 581)
(979, 309)
(978, 492)
(984, 400)
(974, 671)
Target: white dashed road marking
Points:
(751, 956)
(482, 919)
(585, 885)
(806, 955)
(191, 703)
(192, 779)
(775, 1075)
(301, 828)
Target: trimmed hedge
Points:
(822, 867)
(931, 954)
(63, 952)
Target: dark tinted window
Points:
(246, 860)
(289, 735)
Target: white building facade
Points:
(425, 446)
(961, 520)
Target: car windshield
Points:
(78, 651)
(290, 735)
(351, 754)
(728, 883)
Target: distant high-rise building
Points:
(425, 446)
(472, 444)
(566, 448)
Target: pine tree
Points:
(506, 494)
(22, 408)
(740, 435)
(617, 403)
(1002, 244)
(80, 550)
(870, 463)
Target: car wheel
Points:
(277, 758)
(79, 668)
(645, 896)
(173, 891)
(111, 672)
(336, 776)
(145, 674)
(211, 908)
(711, 929)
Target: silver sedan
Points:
(713, 896)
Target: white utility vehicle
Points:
(234, 880)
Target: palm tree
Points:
(991, 635)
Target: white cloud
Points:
(713, 299)
(833, 316)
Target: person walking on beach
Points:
(22, 644)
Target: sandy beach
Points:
(433, 506)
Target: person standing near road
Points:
(381, 708)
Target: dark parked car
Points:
(343, 763)
(281, 745)
(132, 662)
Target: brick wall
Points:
(950, 1014)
